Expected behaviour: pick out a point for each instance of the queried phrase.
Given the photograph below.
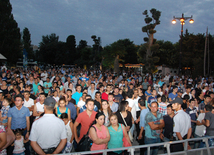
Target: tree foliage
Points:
(26, 41)
(10, 44)
(150, 46)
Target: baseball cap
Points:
(177, 100)
(49, 101)
(180, 91)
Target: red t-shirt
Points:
(85, 122)
(104, 96)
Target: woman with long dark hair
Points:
(105, 108)
(99, 133)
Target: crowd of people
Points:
(49, 112)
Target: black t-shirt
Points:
(97, 104)
(128, 118)
(168, 129)
(32, 96)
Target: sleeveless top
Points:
(100, 134)
(59, 113)
(116, 138)
(19, 146)
(2, 130)
(68, 131)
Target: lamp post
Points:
(182, 19)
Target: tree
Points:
(96, 50)
(150, 46)
(52, 51)
(9, 33)
(71, 49)
(26, 41)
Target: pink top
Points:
(100, 134)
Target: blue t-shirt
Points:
(77, 96)
(142, 117)
(192, 114)
(148, 94)
(172, 96)
(149, 133)
(18, 117)
(160, 83)
(72, 110)
(152, 99)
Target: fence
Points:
(208, 150)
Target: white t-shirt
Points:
(136, 103)
(200, 130)
(132, 105)
(45, 76)
(39, 108)
(81, 103)
(29, 104)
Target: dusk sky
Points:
(109, 19)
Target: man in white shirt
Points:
(48, 134)
(28, 102)
(44, 75)
(182, 124)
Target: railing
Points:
(208, 150)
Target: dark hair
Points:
(18, 131)
(88, 96)
(154, 102)
(141, 101)
(89, 100)
(205, 96)
(20, 95)
(130, 94)
(208, 107)
(159, 96)
(99, 113)
(98, 93)
(163, 98)
(27, 92)
(169, 106)
(191, 100)
(43, 94)
(62, 99)
(8, 100)
(64, 115)
(111, 94)
(186, 97)
(122, 106)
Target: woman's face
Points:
(100, 120)
(105, 105)
(113, 120)
(62, 103)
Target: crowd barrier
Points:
(208, 150)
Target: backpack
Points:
(85, 143)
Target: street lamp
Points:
(182, 20)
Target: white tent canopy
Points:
(2, 57)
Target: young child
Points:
(18, 144)
(4, 111)
(69, 130)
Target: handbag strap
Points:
(123, 119)
(122, 129)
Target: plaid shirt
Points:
(162, 108)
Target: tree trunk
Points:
(149, 52)
(116, 64)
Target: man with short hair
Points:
(39, 106)
(47, 85)
(173, 94)
(188, 90)
(117, 97)
(18, 118)
(167, 135)
(92, 91)
(97, 100)
(28, 102)
(144, 111)
(182, 124)
(105, 94)
(77, 94)
(207, 100)
(85, 119)
(153, 125)
(152, 98)
(48, 134)
(112, 104)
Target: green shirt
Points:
(116, 138)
